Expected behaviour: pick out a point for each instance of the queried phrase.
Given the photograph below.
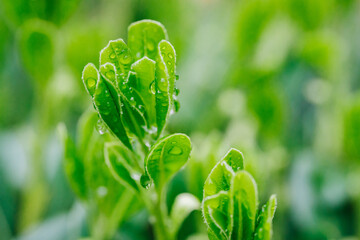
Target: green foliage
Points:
(167, 157)
(230, 202)
(133, 90)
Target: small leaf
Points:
(217, 214)
(184, 204)
(108, 107)
(167, 157)
(90, 77)
(164, 83)
(245, 200)
(118, 161)
(220, 177)
(263, 230)
(144, 37)
(117, 53)
(73, 165)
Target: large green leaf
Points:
(119, 162)
(245, 200)
(263, 230)
(166, 158)
(144, 37)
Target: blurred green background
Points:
(277, 79)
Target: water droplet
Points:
(112, 56)
(110, 74)
(145, 181)
(90, 82)
(126, 58)
(152, 87)
(175, 151)
(100, 127)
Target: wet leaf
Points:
(90, 77)
(221, 175)
(144, 37)
(167, 157)
(263, 230)
(107, 104)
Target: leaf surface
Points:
(245, 200)
(167, 157)
(144, 37)
(118, 161)
(263, 230)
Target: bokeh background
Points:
(277, 79)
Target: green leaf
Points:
(164, 83)
(90, 77)
(217, 213)
(118, 160)
(263, 229)
(73, 164)
(166, 158)
(107, 104)
(245, 200)
(144, 37)
(184, 204)
(117, 53)
(145, 76)
(37, 50)
(221, 175)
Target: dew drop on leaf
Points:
(175, 150)
(125, 58)
(145, 181)
(112, 55)
(90, 82)
(100, 127)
